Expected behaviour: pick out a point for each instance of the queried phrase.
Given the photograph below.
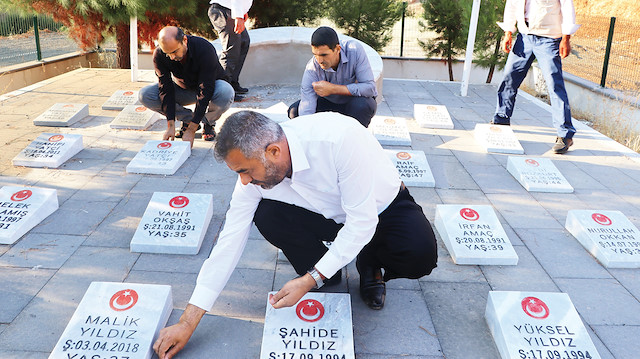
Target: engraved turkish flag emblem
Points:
(56, 138)
(601, 219)
(535, 308)
(123, 300)
(68, 105)
(389, 121)
(164, 145)
(531, 162)
(141, 109)
(310, 310)
(127, 93)
(469, 214)
(179, 202)
(21, 196)
(403, 156)
(495, 129)
(432, 108)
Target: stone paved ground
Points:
(44, 275)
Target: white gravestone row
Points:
(607, 235)
(115, 320)
(318, 327)
(474, 235)
(413, 168)
(432, 116)
(23, 208)
(62, 114)
(390, 131)
(538, 175)
(49, 150)
(173, 223)
(160, 157)
(497, 138)
(120, 99)
(277, 112)
(135, 117)
(537, 325)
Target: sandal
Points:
(208, 134)
(184, 127)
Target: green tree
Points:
(487, 51)
(268, 13)
(369, 21)
(449, 20)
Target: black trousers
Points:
(234, 46)
(404, 244)
(358, 107)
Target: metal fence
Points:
(589, 45)
(29, 38)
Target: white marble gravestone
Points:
(174, 223)
(135, 117)
(120, 99)
(22, 208)
(160, 157)
(432, 116)
(319, 326)
(607, 235)
(497, 138)
(62, 114)
(537, 325)
(277, 112)
(473, 235)
(115, 320)
(390, 131)
(538, 175)
(49, 150)
(413, 167)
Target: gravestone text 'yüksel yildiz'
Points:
(538, 175)
(537, 325)
(134, 117)
(497, 138)
(160, 157)
(173, 223)
(390, 131)
(473, 235)
(317, 327)
(49, 150)
(607, 235)
(115, 321)
(62, 114)
(22, 208)
(432, 116)
(120, 99)
(412, 167)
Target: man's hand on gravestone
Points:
(172, 339)
(189, 133)
(170, 134)
(292, 291)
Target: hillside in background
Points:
(627, 9)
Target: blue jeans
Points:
(547, 51)
(220, 101)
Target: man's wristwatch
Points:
(316, 276)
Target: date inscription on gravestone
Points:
(473, 235)
(538, 175)
(62, 114)
(318, 327)
(120, 99)
(496, 138)
(22, 208)
(607, 235)
(115, 321)
(432, 116)
(134, 117)
(160, 157)
(413, 168)
(390, 131)
(49, 150)
(537, 325)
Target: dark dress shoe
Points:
(239, 89)
(372, 287)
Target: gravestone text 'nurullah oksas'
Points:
(22, 208)
(538, 175)
(318, 327)
(432, 116)
(607, 235)
(173, 223)
(49, 150)
(62, 114)
(134, 117)
(537, 325)
(497, 138)
(115, 321)
(120, 99)
(413, 167)
(160, 157)
(390, 131)
(473, 235)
